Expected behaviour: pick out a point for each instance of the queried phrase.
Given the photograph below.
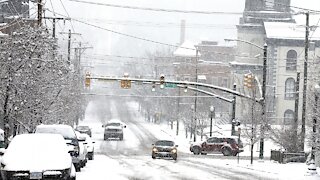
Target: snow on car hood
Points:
(37, 152)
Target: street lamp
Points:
(263, 95)
(211, 116)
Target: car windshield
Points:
(65, 131)
(164, 143)
(83, 128)
(113, 124)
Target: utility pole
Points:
(264, 89)
(178, 111)
(40, 6)
(305, 79)
(54, 20)
(69, 44)
(195, 100)
(233, 115)
(296, 109)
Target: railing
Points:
(285, 157)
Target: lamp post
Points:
(263, 95)
(195, 99)
(211, 116)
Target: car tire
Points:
(153, 156)
(72, 178)
(203, 153)
(77, 167)
(91, 156)
(121, 138)
(226, 151)
(174, 157)
(196, 150)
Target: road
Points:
(131, 158)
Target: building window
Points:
(291, 64)
(290, 89)
(288, 117)
(270, 4)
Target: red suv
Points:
(228, 146)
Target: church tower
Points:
(259, 11)
(251, 26)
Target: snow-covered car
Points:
(83, 151)
(84, 129)
(37, 156)
(114, 129)
(90, 146)
(228, 146)
(164, 148)
(70, 138)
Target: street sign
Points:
(170, 85)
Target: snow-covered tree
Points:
(36, 86)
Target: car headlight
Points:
(154, 149)
(174, 151)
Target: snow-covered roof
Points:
(243, 64)
(280, 30)
(186, 49)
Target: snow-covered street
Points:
(131, 158)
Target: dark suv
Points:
(228, 146)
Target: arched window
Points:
(288, 117)
(291, 64)
(290, 89)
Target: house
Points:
(270, 23)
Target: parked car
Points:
(70, 138)
(164, 148)
(228, 146)
(83, 151)
(84, 129)
(90, 147)
(37, 156)
(2, 143)
(113, 129)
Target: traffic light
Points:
(87, 80)
(249, 80)
(162, 81)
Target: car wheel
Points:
(72, 178)
(90, 156)
(175, 157)
(226, 151)
(203, 153)
(104, 138)
(153, 156)
(78, 168)
(196, 150)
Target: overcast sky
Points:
(157, 26)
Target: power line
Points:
(158, 9)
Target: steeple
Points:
(258, 11)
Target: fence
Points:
(285, 157)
